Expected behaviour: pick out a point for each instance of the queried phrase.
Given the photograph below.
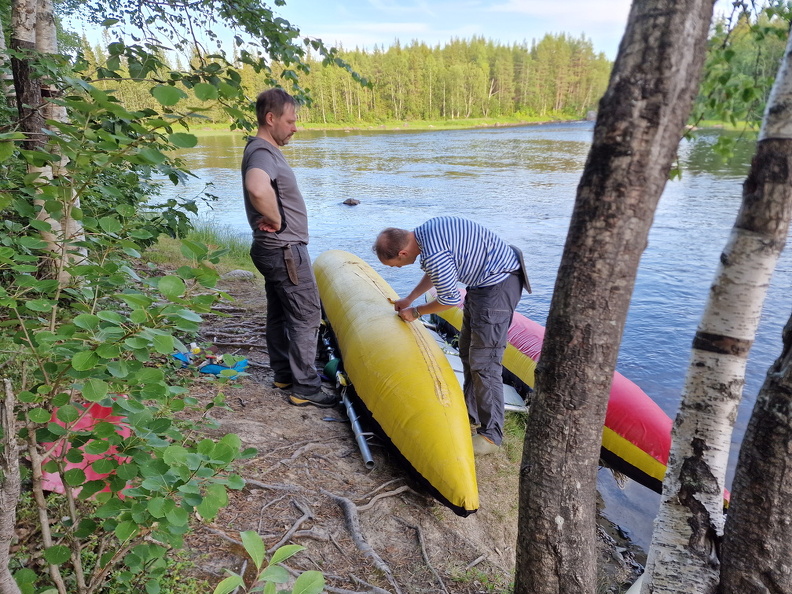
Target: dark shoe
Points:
(320, 398)
(282, 385)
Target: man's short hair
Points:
(390, 242)
(272, 100)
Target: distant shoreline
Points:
(405, 126)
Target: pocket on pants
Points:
(303, 302)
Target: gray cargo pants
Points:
(293, 314)
(485, 327)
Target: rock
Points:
(240, 274)
(351, 202)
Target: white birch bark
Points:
(6, 79)
(69, 229)
(684, 554)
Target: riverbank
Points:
(409, 125)
(306, 456)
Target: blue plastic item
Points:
(213, 368)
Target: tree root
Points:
(353, 526)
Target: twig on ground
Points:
(371, 503)
(372, 588)
(265, 506)
(380, 488)
(424, 554)
(273, 487)
(307, 514)
(475, 562)
(223, 535)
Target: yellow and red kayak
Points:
(636, 438)
(402, 377)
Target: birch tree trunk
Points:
(33, 30)
(6, 78)
(639, 126)
(68, 230)
(9, 486)
(684, 555)
(757, 546)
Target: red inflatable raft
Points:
(636, 438)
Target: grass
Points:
(209, 129)
(215, 237)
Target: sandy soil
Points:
(392, 538)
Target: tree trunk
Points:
(33, 29)
(640, 122)
(9, 486)
(757, 546)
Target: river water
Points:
(521, 183)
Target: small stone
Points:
(351, 201)
(240, 274)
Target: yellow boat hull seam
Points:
(402, 377)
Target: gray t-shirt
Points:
(260, 154)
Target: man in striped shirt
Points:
(456, 250)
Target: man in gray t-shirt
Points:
(277, 215)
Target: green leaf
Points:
(111, 316)
(67, 414)
(57, 554)
(39, 305)
(229, 584)
(74, 477)
(156, 507)
(152, 155)
(171, 287)
(167, 95)
(95, 390)
(183, 140)
(6, 150)
(103, 465)
(125, 530)
(254, 546)
(163, 344)
(309, 582)
(175, 455)
(205, 91)
(86, 321)
(84, 360)
(177, 516)
(85, 528)
(284, 553)
(110, 224)
(275, 573)
(39, 415)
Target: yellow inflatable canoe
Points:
(402, 376)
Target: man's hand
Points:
(409, 314)
(265, 226)
(400, 304)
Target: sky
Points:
(368, 23)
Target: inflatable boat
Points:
(402, 376)
(636, 438)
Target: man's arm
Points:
(422, 287)
(263, 199)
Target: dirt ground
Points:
(366, 530)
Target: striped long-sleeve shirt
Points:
(455, 250)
